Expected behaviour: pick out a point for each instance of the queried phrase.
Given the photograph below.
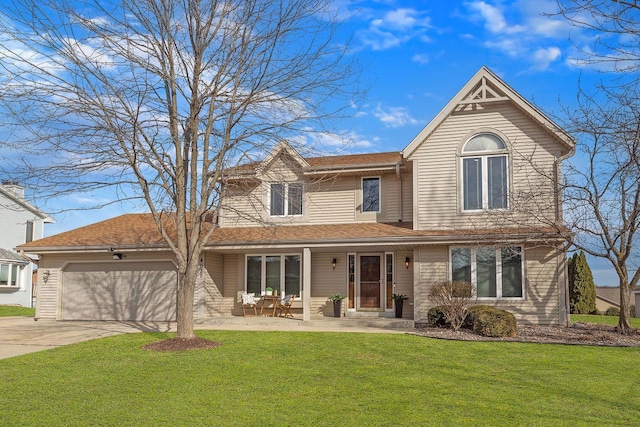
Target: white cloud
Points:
(494, 20)
(394, 117)
(420, 58)
(543, 57)
(522, 29)
(394, 28)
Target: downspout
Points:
(399, 176)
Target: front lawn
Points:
(325, 379)
(605, 320)
(10, 310)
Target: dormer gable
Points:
(285, 153)
(484, 88)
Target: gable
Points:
(13, 203)
(485, 89)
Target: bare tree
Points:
(602, 194)
(156, 98)
(612, 33)
(602, 185)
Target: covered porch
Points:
(367, 275)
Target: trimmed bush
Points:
(436, 318)
(491, 322)
(472, 313)
(612, 311)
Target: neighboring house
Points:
(468, 199)
(609, 296)
(20, 223)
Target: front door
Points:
(371, 294)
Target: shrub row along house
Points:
(472, 197)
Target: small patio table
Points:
(271, 298)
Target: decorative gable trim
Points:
(283, 147)
(486, 87)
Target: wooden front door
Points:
(370, 285)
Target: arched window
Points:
(485, 182)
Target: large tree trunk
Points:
(186, 290)
(624, 322)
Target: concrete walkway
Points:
(22, 335)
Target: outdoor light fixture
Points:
(45, 276)
(117, 256)
(333, 263)
(407, 261)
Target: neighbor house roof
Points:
(139, 231)
(7, 255)
(20, 201)
(611, 295)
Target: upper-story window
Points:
(485, 183)
(371, 194)
(286, 199)
(29, 232)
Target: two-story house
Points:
(20, 222)
(473, 197)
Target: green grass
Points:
(321, 379)
(8, 310)
(605, 320)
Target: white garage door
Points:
(119, 291)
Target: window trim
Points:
(474, 271)
(379, 179)
(286, 199)
(263, 272)
(483, 156)
(18, 269)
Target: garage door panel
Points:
(120, 291)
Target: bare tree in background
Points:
(612, 29)
(602, 188)
(602, 185)
(154, 98)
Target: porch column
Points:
(306, 284)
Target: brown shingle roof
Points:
(335, 162)
(355, 159)
(139, 231)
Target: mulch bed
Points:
(182, 344)
(577, 333)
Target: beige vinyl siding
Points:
(332, 200)
(233, 283)
(398, 198)
(47, 300)
(213, 284)
(436, 165)
(327, 200)
(430, 267)
(326, 281)
(404, 282)
(242, 205)
(543, 282)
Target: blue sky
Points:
(416, 55)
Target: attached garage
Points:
(119, 290)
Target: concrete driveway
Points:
(22, 335)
